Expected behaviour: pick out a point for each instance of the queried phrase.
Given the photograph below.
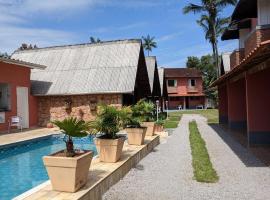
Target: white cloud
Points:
(111, 29)
(12, 37)
(169, 37)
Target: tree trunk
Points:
(69, 147)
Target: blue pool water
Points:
(21, 166)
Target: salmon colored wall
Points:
(182, 84)
(237, 100)
(17, 76)
(222, 101)
(258, 93)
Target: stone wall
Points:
(81, 106)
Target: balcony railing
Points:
(172, 90)
(192, 89)
(256, 37)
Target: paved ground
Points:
(167, 172)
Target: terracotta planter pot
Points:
(150, 128)
(68, 174)
(136, 135)
(109, 150)
(159, 128)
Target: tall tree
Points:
(210, 21)
(94, 40)
(206, 65)
(149, 43)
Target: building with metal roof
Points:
(79, 77)
(152, 69)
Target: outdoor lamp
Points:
(157, 103)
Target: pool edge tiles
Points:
(26, 140)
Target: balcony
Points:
(172, 90)
(191, 89)
(256, 37)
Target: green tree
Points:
(94, 40)
(210, 21)
(206, 65)
(4, 55)
(149, 43)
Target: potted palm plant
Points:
(144, 111)
(136, 132)
(108, 123)
(159, 126)
(68, 169)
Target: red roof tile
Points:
(182, 72)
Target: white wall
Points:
(263, 12)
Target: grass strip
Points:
(202, 167)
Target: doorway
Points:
(23, 105)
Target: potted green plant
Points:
(68, 169)
(136, 132)
(144, 110)
(108, 123)
(159, 126)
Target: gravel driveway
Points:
(167, 173)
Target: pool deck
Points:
(101, 175)
(28, 134)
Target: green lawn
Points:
(202, 167)
(210, 114)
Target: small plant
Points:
(144, 110)
(108, 122)
(72, 127)
(159, 122)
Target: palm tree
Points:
(212, 24)
(149, 43)
(94, 40)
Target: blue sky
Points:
(57, 22)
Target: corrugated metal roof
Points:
(151, 64)
(106, 67)
(225, 62)
(22, 63)
(161, 78)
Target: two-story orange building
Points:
(244, 94)
(185, 88)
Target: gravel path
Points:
(167, 173)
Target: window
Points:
(5, 100)
(192, 82)
(172, 83)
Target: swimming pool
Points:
(21, 165)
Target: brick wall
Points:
(82, 106)
(258, 36)
(236, 57)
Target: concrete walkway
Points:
(167, 172)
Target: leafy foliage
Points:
(4, 55)
(144, 110)
(206, 65)
(108, 121)
(149, 43)
(94, 40)
(72, 127)
(210, 20)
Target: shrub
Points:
(72, 127)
